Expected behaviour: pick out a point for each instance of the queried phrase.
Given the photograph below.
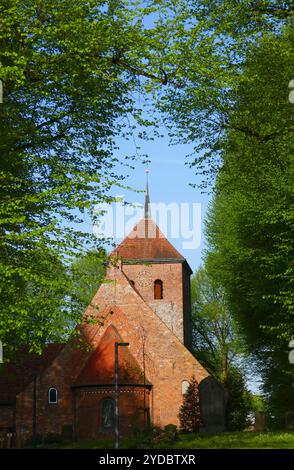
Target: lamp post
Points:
(116, 346)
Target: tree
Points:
(69, 86)
(214, 330)
(86, 273)
(250, 226)
(189, 414)
(239, 403)
(203, 56)
(218, 345)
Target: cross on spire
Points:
(147, 213)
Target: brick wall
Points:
(168, 363)
(89, 410)
(6, 417)
(51, 418)
(170, 309)
(153, 344)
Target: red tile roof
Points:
(146, 242)
(14, 377)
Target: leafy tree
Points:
(250, 226)
(203, 56)
(219, 346)
(258, 403)
(239, 402)
(189, 414)
(216, 341)
(86, 273)
(70, 76)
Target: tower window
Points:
(158, 289)
(52, 395)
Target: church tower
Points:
(159, 273)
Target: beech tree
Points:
(203, 56)
(219, 346)
(250, 225)
(70, 72)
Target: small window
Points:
(132, 282)
(52, 395)
(158, 289)
(185, 386)
(108, 414)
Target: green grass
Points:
(234, 440)
(237, 440)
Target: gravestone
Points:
(290, 420)
(213, 403)
(259, 421)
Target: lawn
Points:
(235, 440)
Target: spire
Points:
(147, 214)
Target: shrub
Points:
(189, 414)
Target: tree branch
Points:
(278, 12)
(139, 71)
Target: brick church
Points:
(144, 301)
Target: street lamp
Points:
(117, 345)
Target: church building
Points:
(145, 301)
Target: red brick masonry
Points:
(152, 368)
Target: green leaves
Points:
(69, 75)
(250, 225)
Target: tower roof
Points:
(147, 242)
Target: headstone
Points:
(67, 432)
(9, 439)
(213, 402)
(290, 420)
(259, 421)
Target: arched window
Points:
(52, 395)
(158, 289)
(185, 386)
(108, 414)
